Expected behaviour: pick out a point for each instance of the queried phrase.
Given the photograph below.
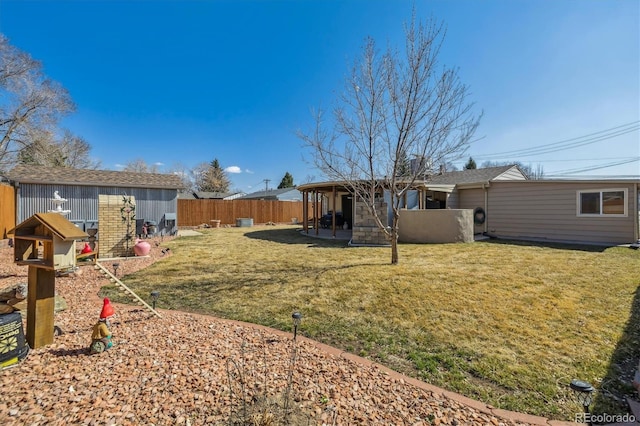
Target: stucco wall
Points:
(436, 226)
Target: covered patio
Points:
(327, 198)
(330, 210)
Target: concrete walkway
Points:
(188, 233)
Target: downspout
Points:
(636, 202)
(485, 187)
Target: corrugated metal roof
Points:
(62, 175)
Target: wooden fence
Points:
(7, 210)
(198, 212)
(191, 212)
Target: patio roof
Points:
(325, 187)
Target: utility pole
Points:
(266, 184)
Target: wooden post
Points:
(315, 212)
(333, 217)
(40, 306)
(305, 210)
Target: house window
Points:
(610, 202)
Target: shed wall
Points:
(151, 204)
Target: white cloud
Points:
(120, 166)
(159, 164)
(249, 171)
(233, 169)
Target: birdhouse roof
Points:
(58, 224)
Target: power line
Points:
(575, 160)
(570, 143)
(588, 169)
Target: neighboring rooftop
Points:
(284, 194)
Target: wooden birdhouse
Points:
(46, 240)
(46, 243)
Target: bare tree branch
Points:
(29, 102)
(394, 106)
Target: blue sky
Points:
(181, 83)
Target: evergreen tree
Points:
(471, 164)
(212, 178)
(287, 181)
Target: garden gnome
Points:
(101, 336)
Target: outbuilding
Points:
(38, 187)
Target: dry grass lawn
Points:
(506, 323)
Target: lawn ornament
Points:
(142, 248)
(101, 335)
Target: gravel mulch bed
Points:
(186, 369)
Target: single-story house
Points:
(40, 189)
(506, 204)
(283, 194)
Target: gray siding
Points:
(472, 199)
(547, 210)
(151, 204)
(453, 199)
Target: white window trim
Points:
(601, 214)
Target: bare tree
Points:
(187, 176)
(29, 102)
(75, 151)
(140, 166)
(71, 151)
(395, 107)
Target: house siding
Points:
(472, 199)
(453, 200)
(151, 204)
(512, 174)
(547, 210)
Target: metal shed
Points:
(156, 194)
